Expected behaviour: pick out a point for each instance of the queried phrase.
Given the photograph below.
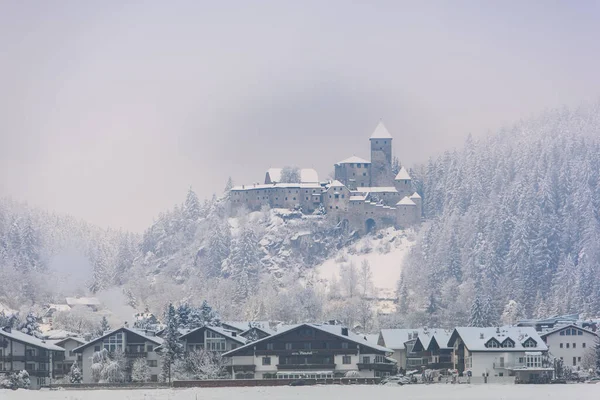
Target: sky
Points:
(111, 110)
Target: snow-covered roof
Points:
(403, 175)
(358, 198)
(336, 183)
(557, 329)
(19, 336)
(75, 338)
(406, 201)
(425, 338)
(475, 338)
(335, 330)
(381, 132)
(277, 185)
(225, 332)
(354, 160)
(307, 175)
(376, 189)
(58, 334)
(415, 195)
(262, 328)
(372, 337)
(395, 338)
(151, 338)
(82, 301)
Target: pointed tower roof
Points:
(406, 202)
(403, 175)
(415, 195)
(381, 132)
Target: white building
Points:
(61, 368)
(134, 343)
(310, 351)
(569, 343)
(500, 352)
(19, 351)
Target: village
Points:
(193, 347)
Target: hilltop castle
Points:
(365, 195)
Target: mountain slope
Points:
(514, 216)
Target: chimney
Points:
(7, 329)
(345, 331)
(481, 335)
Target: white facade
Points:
(570, 343)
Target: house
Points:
(402, 341)
(51, 310)
(212, 338)
(61, 368)
(134, 343)
(90, 302)
(432, 347)
(550, 323)
(570, 343)
(19, 351)
(310, 351)
(500, 352)
(241, 326)
(257, 332)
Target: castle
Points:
(365, 195)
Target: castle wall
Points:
(353, 175)
(404, 187)
(406, 215)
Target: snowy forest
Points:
(511, 224)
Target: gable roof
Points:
(395, 338)
(155, 339)
(224, 332)
(427, 337)
(381, 132)
(335, 330)
(475, 338)
(29, 340)
(415, 195)
(561, 327)
(75, 338)
(403, 175)
(354, 160)
(263, 329)
(406, 201)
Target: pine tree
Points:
(228, 185)
(30, 326)
(245, 264)
(104, 326)
(209, 316)
(490, 315)
(172, 348)
(477, 318)
(75, 375)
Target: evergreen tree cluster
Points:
(514, 217)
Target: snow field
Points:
(359, 392)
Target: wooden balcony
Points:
(388, 367)
(301, 367)
(136, 355)
(242, 368)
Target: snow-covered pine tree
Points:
(75, 375)
(477, 318)
(228, 185)
(183, 315)
(489, 313)
(219, 243)
(140, 371)
(209, 316)
(104, 325)
(172, 349)
(31, 326)
(245, 263)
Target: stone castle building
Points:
(365, 195)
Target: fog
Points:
(110, 111)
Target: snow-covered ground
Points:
(386, 252)
(414, 392)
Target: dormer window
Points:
(530, 343)
(508, 343)
(492, 344)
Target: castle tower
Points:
(403, 183)
(381, 157)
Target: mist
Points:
(110, 111)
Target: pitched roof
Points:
(403, 175)
(335, 330)
(75, 338)
(376, 189)
(561, 327)
(224, 332)
(395, 338)
(336, 183)
(380, 132)
(21, 337)
(354, 160)
(475, 338)
(152, 338)
(261, 328)
(406, 201)
(437, 335)
(415, 195)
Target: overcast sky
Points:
(110, 110)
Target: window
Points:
(583, 345)
(501, 374)
(269, 346)
(574, 361)
(578, 359)
(344, 345)
(307, 346)
(96, 348)
(568, 332)
(152, 363)
(579, 333)
(492, 343)
(574, 345)
(337, 196)
(149, 348)
(533, 361)
(530, 343)
(366, 360)
(561, 345)
(346, 360)
(562, 333)
(508, 343)
(266, 361)
(379, 359)
(288, 346)
(567, 345)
